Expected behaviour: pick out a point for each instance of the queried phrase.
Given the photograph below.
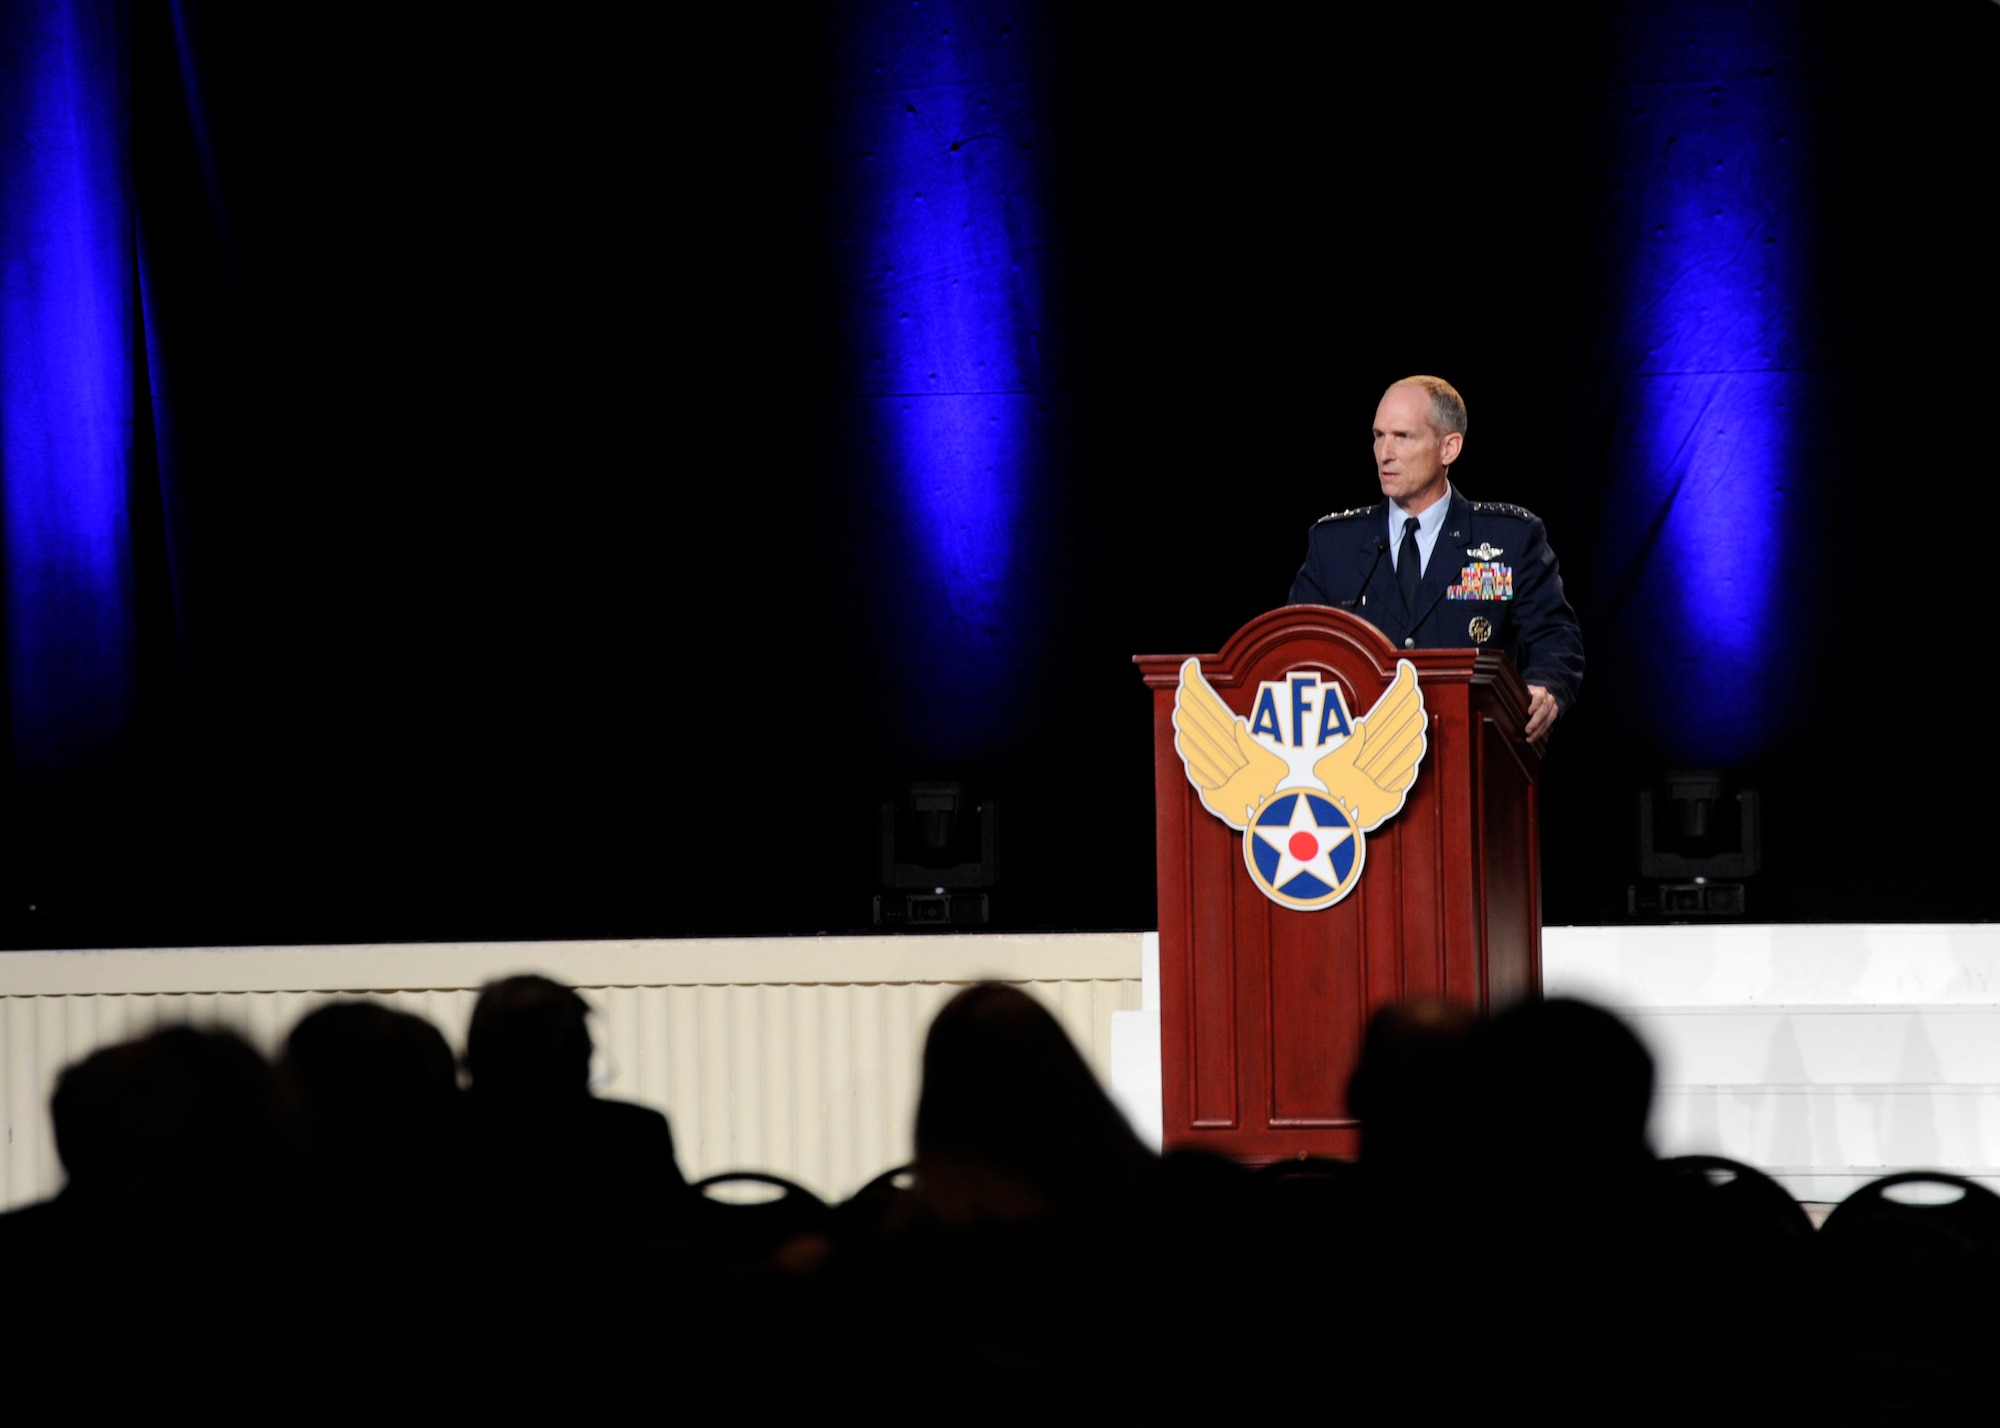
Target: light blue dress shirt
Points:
(1428, 526)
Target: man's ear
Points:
(1449, 448)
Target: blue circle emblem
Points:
(1304, 850)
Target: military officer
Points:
(1432, 570)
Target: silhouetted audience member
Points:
(1011, 1123)
(180, 1182)
(1402, 1226)
(1409, 1089)
(1009, 1259)
(1568, 1247)
(1567, 1089)
(581, 1211)
(178, 1135)
(376, 1092)
(555, 1163)
(375, 1095)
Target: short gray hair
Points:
(1447, 406)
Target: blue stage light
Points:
(66, 393)
(1710, 224)
(947, 210)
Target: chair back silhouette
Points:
(747, 1216)
(875, 1206)
(1307, 1185)
(1731, 1210)
(1910, 1274)
(1917, 1212)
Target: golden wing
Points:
(1233, 771)
(1374, 769)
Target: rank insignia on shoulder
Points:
(1343, 515)
(1485, 550)
(1504, 508)
(1483, 580)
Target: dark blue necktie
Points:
(1409, 566)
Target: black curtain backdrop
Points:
(508, 563)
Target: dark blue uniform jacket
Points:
(1491, 562)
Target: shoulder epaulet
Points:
(1343, 515)
(1503, 508)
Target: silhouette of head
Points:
(1566, 1082)
(366, 1077)
(181, 1122)
(1003, 1086)
(1408, 1087)
(529, 1039)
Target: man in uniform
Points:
(1433, 570)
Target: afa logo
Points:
(1301, 777)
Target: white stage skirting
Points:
(795, 1055)
(1828, 1055)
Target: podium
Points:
(1262, 1007)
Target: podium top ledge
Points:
(1265, 637)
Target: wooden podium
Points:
(1262, 1008)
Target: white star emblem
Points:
(1306, 846)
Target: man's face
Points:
(1410, 457)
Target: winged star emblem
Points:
(1301, 778)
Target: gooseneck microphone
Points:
(1381, 549)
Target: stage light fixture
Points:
(934, 872)
(1700, 836)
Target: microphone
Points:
(1381, 549)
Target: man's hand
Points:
(1542, 711)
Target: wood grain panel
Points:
(1317, 981)
(1508, 835)
(1213, 910)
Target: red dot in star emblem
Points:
(1304, 846)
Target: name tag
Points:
(1483, 580)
